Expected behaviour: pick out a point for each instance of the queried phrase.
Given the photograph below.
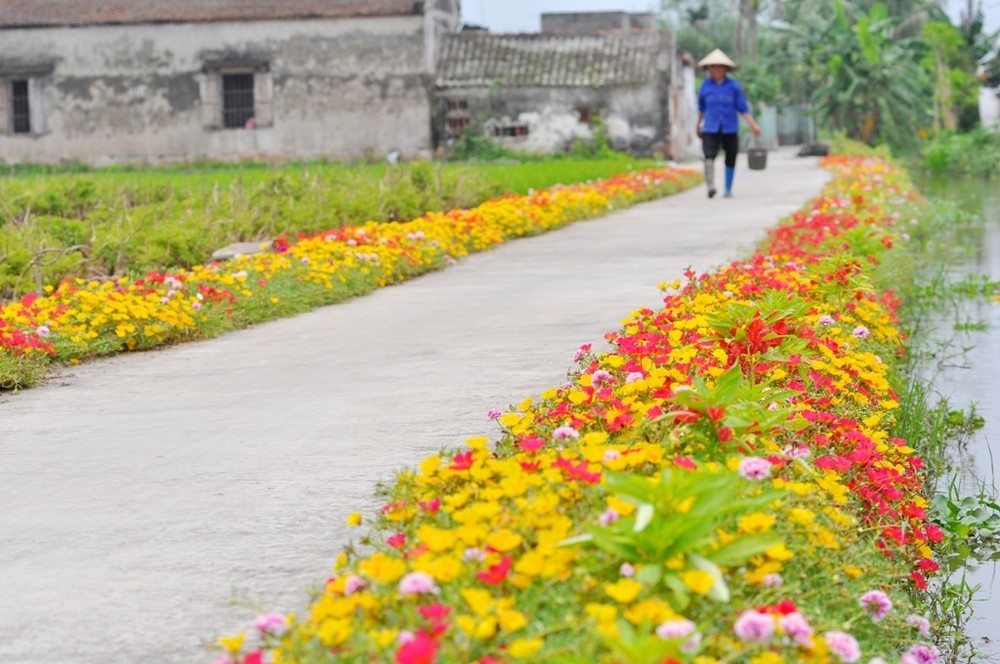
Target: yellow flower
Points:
(478, 600)
(623, 591)
(767, 658)
(758, 522)
(698, 581)
(512, 620)
(504, 540)
(233, 644)
(524, 648)
(382, 569)
(653, 611)
(354, 519)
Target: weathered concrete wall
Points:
(136, 93)
(634, 116)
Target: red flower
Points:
(397, 541)
(421, 649)
(462, 461)
(531, 444)
(685, 462)
(496, 574)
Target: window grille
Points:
(237, 100)
(20, 111)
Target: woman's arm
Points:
(754, 127)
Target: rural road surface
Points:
(149, 502)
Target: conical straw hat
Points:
(717, 57)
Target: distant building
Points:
(543, 91)
(105, 81)
(112, 81)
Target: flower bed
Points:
(79, 319)
(722, 486)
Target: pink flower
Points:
(42, 331)
(353, 585)
(196, 306)
(565, 433)
(626, 570)
(600, 377)
(843, 646)
(921, 654)
(826, 320)
(797, 628)
(634, 376)
(876, 604)
(754, 626)
(271, 623)
(919, 623)
(755, 468)
(608, 517)
(675, 629)
(493, 414)
(861, 332)
(611, 455)
(772, 580)
(417, 583)
(581, 352)
(472, 553)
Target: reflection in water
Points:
(976, 380)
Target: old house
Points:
(542, 91)
(126, 80)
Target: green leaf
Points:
(741, 550)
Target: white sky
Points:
(524, 15)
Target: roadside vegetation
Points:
(108, 223)
(81, 317)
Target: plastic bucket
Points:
(757, 159)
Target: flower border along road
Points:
(80, 319)
(721, 486)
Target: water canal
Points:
(970, 379)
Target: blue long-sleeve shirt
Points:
(721, 103)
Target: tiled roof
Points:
(39, 13)
(479, 59)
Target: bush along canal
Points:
(955, 316)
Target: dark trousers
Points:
(730, 144)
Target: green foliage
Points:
(974, 153)
(676, 518)
(129, 221)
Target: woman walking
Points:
(720, 103)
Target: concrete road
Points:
(149, 502)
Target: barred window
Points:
(20, 110)
(237, 100)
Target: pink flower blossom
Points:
(353, 584)
(861, 332)
(417, 583)
(626, 570)
(611, 455)
(755, 468)
(493, 414)
(600, 377)
(772, 580)
(634, 376)
(675, 629)
(919, 623)
(42, 331)
(608, 517)
(271, 623)
(876, 604)
(565, 433)
(472, 553)
(581, 352)
(797, 628)
(826, 320)
(843, 645)
(754, 626)
(921, 654)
